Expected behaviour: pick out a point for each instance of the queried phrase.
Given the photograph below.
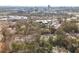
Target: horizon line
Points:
(35, 6)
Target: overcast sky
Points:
(39, 2)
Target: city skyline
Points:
(39, 2)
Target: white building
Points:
(43, 21)
(3, 19)
(11, 17)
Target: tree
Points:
(70, 27)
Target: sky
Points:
(39, 2)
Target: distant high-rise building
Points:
(49, 8)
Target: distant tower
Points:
(49, 8)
